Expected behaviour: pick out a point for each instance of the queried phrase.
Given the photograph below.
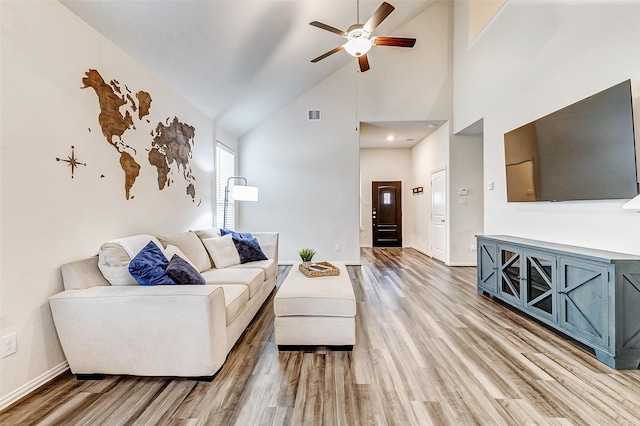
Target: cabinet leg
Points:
(482, 292)
(618, 363)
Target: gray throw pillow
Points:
(181, 271)
(249, 249)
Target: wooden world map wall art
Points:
(72, 161)
(171, 142)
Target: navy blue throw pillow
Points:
(148, 266)
(180, 271)
(234, 234)
(249, 249)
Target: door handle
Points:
(442, 220)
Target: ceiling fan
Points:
(359, 38)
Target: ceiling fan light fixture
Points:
(359, 36)
(358, 46)
(358, 41)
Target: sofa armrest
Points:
(83, 273)
(143, 331)
(269, 244)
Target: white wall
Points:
(532, 59)
(430, 155)
(226, 138)
(47, 218)
(412, 84)
(461, 156)
(385, 165)
(466, 216)
(308, 171)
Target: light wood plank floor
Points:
(429, 350)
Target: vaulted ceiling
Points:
(236, 60)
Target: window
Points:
(225, 168)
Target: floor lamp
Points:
(240, 193)
(633, 204)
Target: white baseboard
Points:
(34, 384)
(447, 264)
(420, 250)
(462, 264)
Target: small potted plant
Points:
(306, 254)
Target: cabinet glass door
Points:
(510, 275)
(487, 275)
(540, 285)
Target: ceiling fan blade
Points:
(364, 63)
(394, 41)
(329, 53)
(328, 28)
(383, 11)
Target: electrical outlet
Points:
(337, 247)
(9, 345)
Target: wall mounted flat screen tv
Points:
(585, 151)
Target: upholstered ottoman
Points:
(315, 311)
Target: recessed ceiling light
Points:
(389, 138)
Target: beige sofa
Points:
(108, 326)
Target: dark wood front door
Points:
(386, 214)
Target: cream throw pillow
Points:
(222, 250)
(208, 233)
(171, 250)
(191, 246)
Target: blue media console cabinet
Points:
(590, 295)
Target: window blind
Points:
(225, 168)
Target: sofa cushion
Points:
(251, 277)
(148, 266)
(114, 257)
(268, 266)
(248, 249)
(170, 250)
(236, 296)
(191, 246)
(82, 274)
(222, 250)
(182, 272)
(203, 234)
(208, 233)
(234, 234)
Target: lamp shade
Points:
(633, 204)
(245, 193)
(357, 46)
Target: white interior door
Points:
(438, 215)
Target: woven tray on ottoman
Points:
(319, 269)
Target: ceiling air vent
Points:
(313, 114)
